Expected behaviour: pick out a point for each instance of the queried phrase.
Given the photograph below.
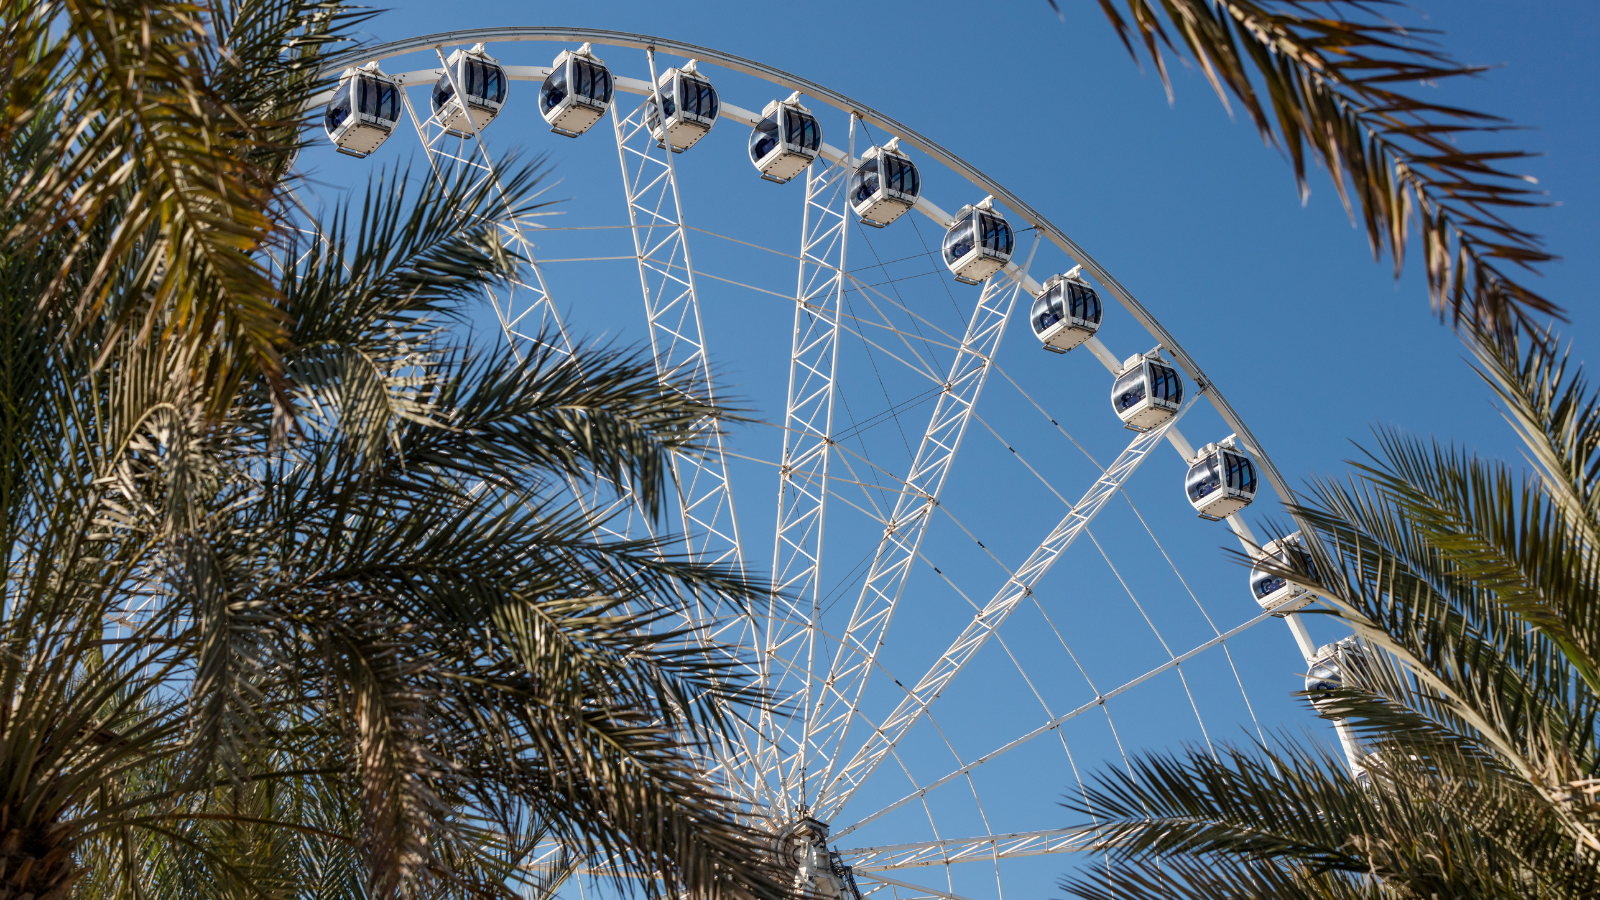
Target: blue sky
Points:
(1283, 305)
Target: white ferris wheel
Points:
(948, 658)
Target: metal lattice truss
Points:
(672, 308)
(988, 847)
(829, 717)
(803, 484)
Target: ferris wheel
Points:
(932, 441)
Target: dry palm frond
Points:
(171, 127)
(1335, 78)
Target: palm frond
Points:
(156, 138)
(1326, 80)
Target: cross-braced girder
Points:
(838, 704)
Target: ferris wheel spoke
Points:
(667, 278)
(902, 536)
(1055, 723)
(1017, 587)
(867, 861)
(808, 431)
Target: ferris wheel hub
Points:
(819, 874)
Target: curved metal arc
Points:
(866, 113)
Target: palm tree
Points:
(1472, 584)
(295, 601)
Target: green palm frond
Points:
(1288, 819)
(1327, 80)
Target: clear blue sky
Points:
(1312, 341)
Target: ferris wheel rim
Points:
(850, 106)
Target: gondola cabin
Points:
(576, 93)
(786, 140)
(691, 108)
(481, 83)
(1221, 481)
(1147, 392)
(978, 243)
(1271, 590)
(1328, 670)
(884, 185)
(1066, 312)
(363, 112)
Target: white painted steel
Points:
(837, 709)
(803, 475)
(987, 847)
(677, 340)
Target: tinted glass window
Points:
(1046, 310)
(996, 234)
(1324, 676)
(1055, 309)
(764, 138)
(338, 107)
(1167, 384)
(442, 92)
(801, 130)
(582, 79)
(554, 89)
(377, 98)
(1241, 473)
(958, 240)
(1263, 584)
(698, 98)
(902, 176)
(1204, 478)
(1129, 389)
(864, 182)
(1085, 303)
(389, 103)
(484, 81)
(591, 81)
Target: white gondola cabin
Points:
(576, 93)
(691, 107)
(786, 140)
(1221, 480)
(482, 84)
(1066, 312)
(978, 243)
(1271, 590)
(1328, 669)
(363, 112)
(1147, 392)
(885, 185)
